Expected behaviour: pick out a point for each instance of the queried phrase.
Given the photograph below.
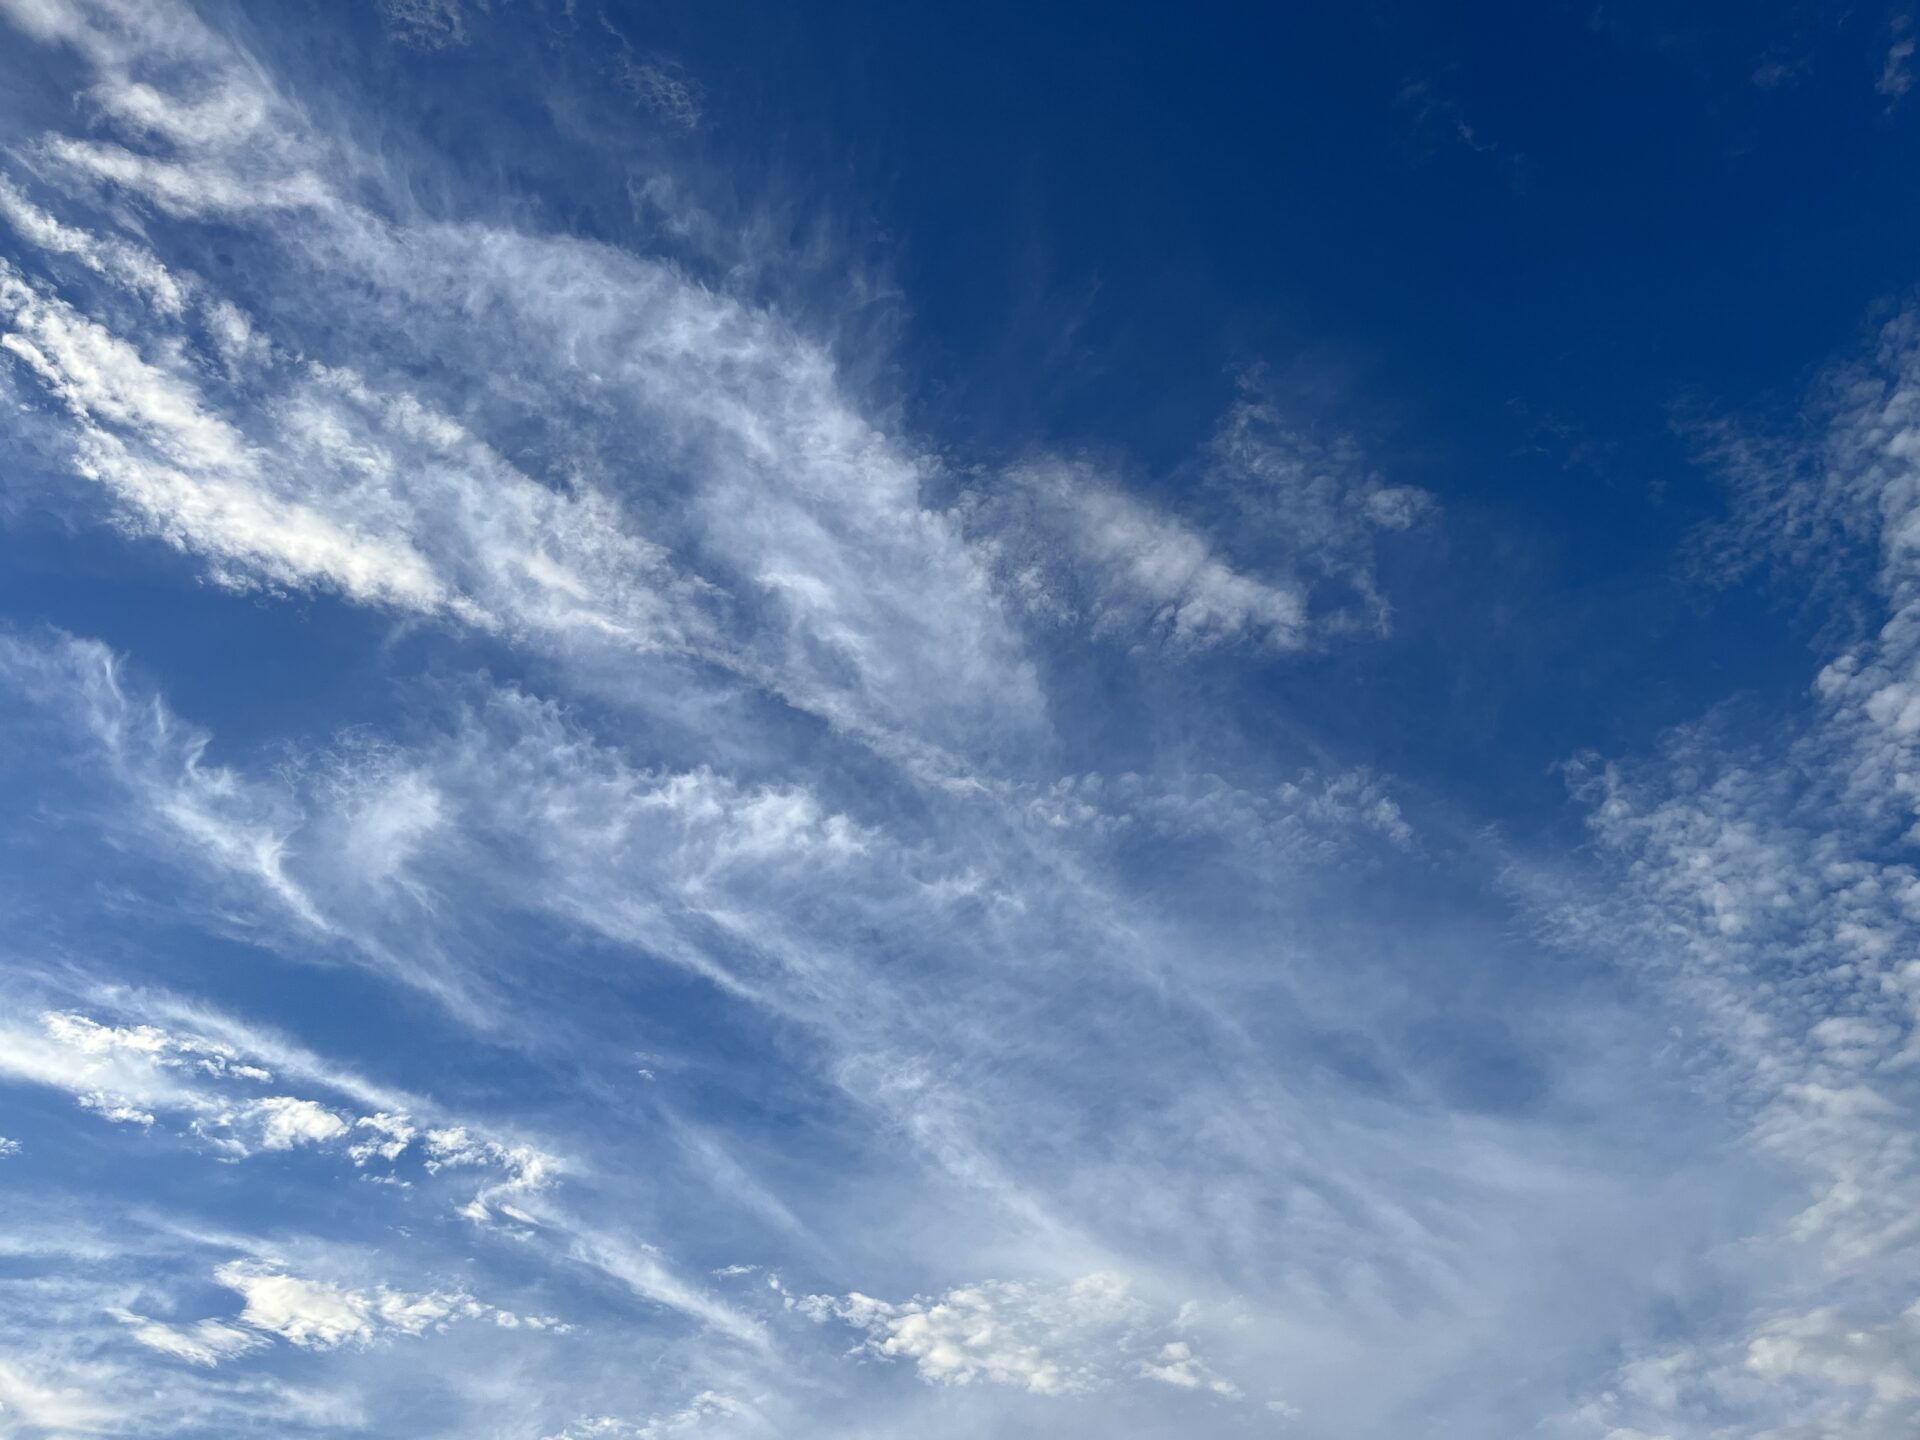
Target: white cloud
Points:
(1175, 1364)
(661, 860)
(115, 1109)
(143, 433)
(1896, 75)
(643, 1271)
(131, 266)
(30, 1405)
(88, 1036)
(1069, 546)
(799, 500)
(205, 1343)
(1048, 1340)
(1314, 500)
(1306, 816)
(1765, 884)
(720, 494)
(287, 1122)
(388, 1137)
(141, 1075)
(316, 1315)
(1848, 1352)
(694, 1415)
(320, 1316)
(186, 191)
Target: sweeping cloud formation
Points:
(618, 823)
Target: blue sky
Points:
(779, 721)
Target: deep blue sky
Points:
(1074, 233)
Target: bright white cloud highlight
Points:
(1048, 1340)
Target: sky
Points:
(789, 720)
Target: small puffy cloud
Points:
(383, 1137)
(1047, 1340)
(188, 1084)
(526, 1168)
(316, 1315)
(114, 1108)
(90, 1037)
(1175, 1364)
(302, 1312)
(287, 1122)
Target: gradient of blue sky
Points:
(862, 720)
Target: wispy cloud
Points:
(1896, 76)
(1069, 545)
(432, 24)
(738, 911)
